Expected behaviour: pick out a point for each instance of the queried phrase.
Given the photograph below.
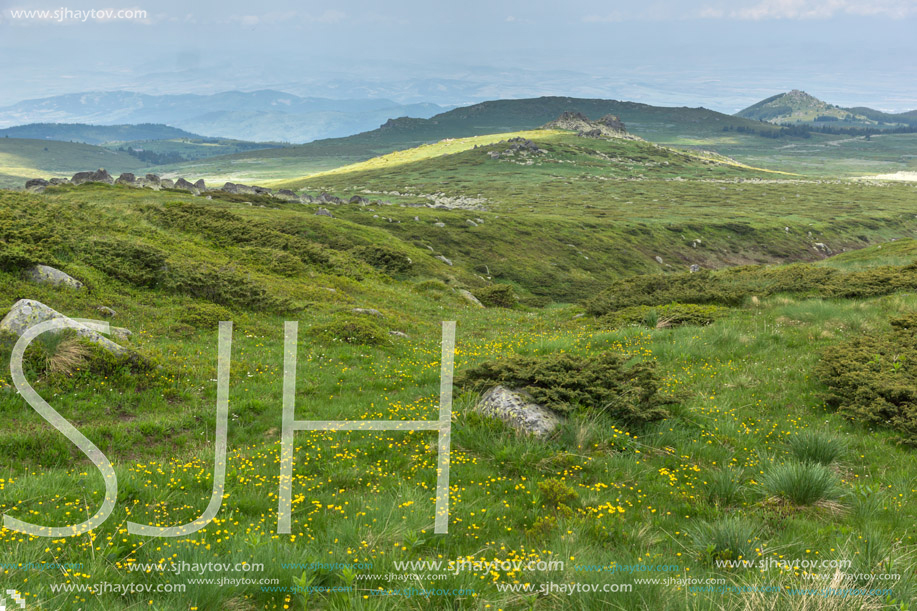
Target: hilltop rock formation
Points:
(608, 126)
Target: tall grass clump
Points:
(816, 447)
(801, 483)
(724, 486)
(732, 538)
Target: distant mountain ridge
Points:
(263, 116)
(799, 107)
(96, 134)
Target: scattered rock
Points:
(821, 247)
(43, 274)
(658, 259)
(184, 185)
(443, 259)
(27, 313)
(368, 312)
(516, 409)
(439, 224)
(694, 268)
(400, 334)
(36, 185)
(470, 298)
(324, 212)
(80, 177)
(106, 311)
(286, 195)
(101, 175)
(472, 223)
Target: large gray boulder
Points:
(80, 177)
(36, 184)
(184, 185)
(126, 178)
(49, 276)
(101, 175)
(27, 313)
(517, 410)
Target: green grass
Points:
(686, 490)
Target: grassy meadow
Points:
(753, 460)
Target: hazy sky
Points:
(723, 54)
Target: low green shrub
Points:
(225, 286)
(497, 296)
(352, 329)
(731, 287)
(669, 315)
(14, 257)
(801, 483)
(566, 382)
(204, 315)
(873, 378)
(385, 259)
(129, 262)
(275, 261)
(556, 492)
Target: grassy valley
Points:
(729, 347)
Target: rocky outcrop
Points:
(323, 212)
(36, 184)
(608, 126)
(126, 179)
(49, 276)
(27, 313)
(517, 410)
(200, 184)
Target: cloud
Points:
(810, 9)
